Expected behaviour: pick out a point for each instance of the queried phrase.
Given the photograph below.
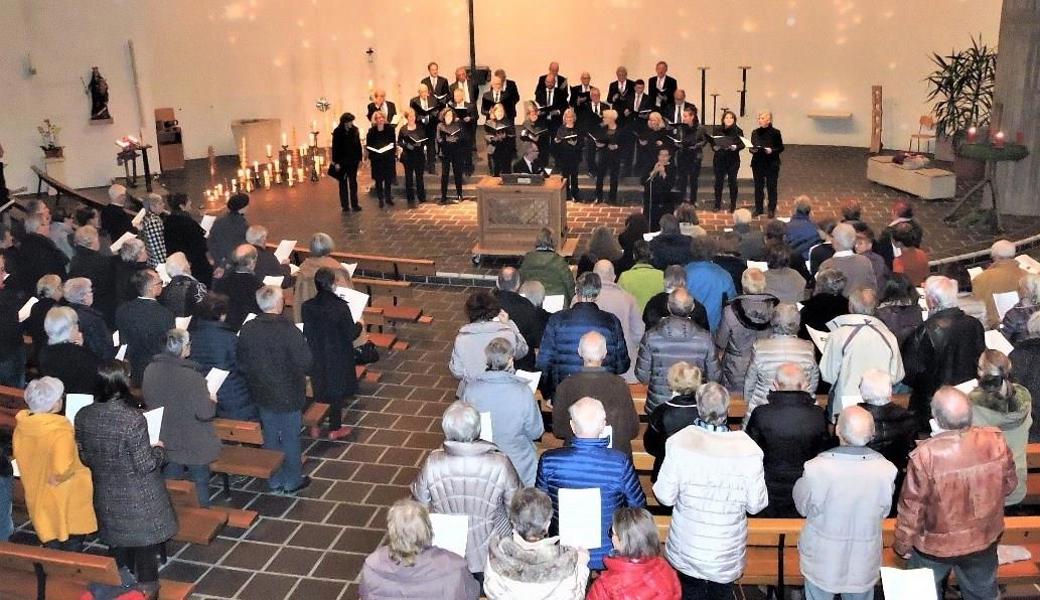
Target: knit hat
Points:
(42, 394)
(237, 202)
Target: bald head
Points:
(605, 269)
(855, 427)
(587, 418)
(592, 348)
(790, 377)
(951, 408)
(680, 303)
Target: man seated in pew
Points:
(58, 491)
(844, 494)
(790, 429)
(951, 509)
(714, 478)
(135, 515)
(595, 381)
(675, 338)
(275, 359)
(587, 463)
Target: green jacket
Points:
(642, 281)
(1013, 423)
(552, 270)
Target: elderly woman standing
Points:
(999, 402)
(487, 321)
(782, 346)
(744, 321)
(64, 356)
(97, 337)
(330, 331)
(468, 476)
(213, 346)
(677, 413)
(184, 291)
(174, 382)
(636, 569)
(153, 230)
(48, 293)
(321, 246)
(514, 415)
(544, 264)
(58, 490)
(134, 512)
(409, 566)
(530, 563)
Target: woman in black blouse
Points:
(380, 146)
(727, 158)
(411, 149)
(451, 143)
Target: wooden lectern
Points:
(510, 217)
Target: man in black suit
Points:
(100, 270)
(580, 93)
(561, 81)
(507, 94)
(590, 117)
(426, 108)
(529, 163)
(636, 113)
(240, 284)
(673, 111)
(437, 85)
(552, 101)
(662, 86)
(380, 103)
(462, 81)
(143, 322)
(521, 312)
(620, 92)
(36, 256)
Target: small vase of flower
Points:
(49, 136)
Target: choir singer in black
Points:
(727, 144)
(590, 117)
(411, 151)
(437, 85)
(552, 101)
(534, 129)
(500, 135)
(451, 142)
(657, 189)
(381, 104)
(380, 147)
(766, 146)
(607, 139)
(346, 157)
(426, 108)
(662, 86)
(567, 147)
(466, 115)
(689, 138)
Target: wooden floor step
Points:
(373, 376)
(175, 590)
(383, 340)
(238, 518)
(198, 525)
(315, 414)
(406, 314)
(248, 461)
(425, 320)
(399, 346)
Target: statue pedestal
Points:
(55, 167)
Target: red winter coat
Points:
(636, 579)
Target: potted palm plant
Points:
(961, 92)
(49, 135)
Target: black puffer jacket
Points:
(667, 419)
(894, 431)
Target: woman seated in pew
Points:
(135, 515)
(674, 415)
(213, 346)
(636, 568)
(58, 489)
(174, 382)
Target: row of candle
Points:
(996, 138)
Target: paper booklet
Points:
(16, 472)
(182, 322)
(26, 309)
(275, 280)
(487, 431)
(284, 249)
(747, 142)
(160, 269)
(499, 125)
(6, 206)
(553, 304)
(382, 150)
(207, 223)
(214, 379)
(649, 236)
(121, 353)
(115, 339)
(908, 584)
(968, 386)
(531, 377)
(450, 532)
(760, 265)
(126, 237)
(1003, 302)
(74, 403)
(974, 272)
(350, 267)
(154, 420)
(818, 337)
(996, 341)
(355, 299)
(139, 218)
(579, 517)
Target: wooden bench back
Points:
(12, 397)
(244, 432)
(80, 567)
(396, 267)
(65, 189)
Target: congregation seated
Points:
(214, 345)
(183, 291)
(675, 338)
(97, 337)
(470, 477)
(486, 322)
(642, 280)
(636, 568)
(657, 307)
(670, 246)
(898, 306)
(767, 354)
(240, 285)
(59, 495)
(558, 353)
(844, 494)
(513, 412)
(745, 319)
(618, 302)
(585, 463)
(134, 512)
(1000, 277)
(709, 283)
(65, 357)
(410, 566)
(142, 323)
(675, 414)
(321, 247)
(89, 262)
(174, 382)
(713, 478)
(1013, 326)
(528, 317)
(1001, 403)
(544, 264)
(790, 429)
(529, 563)
(595, 381)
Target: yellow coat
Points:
(58, 490)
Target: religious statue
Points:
(98, 89)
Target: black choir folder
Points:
(382, 150)
(725, 141)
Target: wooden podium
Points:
(510, 217)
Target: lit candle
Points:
(269, 151)
(285, 139)
(314, 125)
(267, 180)
(256, 166)
(277, 165)
(972, 132)
(998, 142)
(241, 173)
(1020, 138)
(299, 173)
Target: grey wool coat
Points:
(187, 429)
(516, 420)
(130, 499)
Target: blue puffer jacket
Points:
(802, 235)
(558, 353)
(588, 463)
(213, 345)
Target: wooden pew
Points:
(244, 460)
(396, 267)
(62, 188)
(182, 494)
(34, 573)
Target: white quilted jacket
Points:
(713, 479)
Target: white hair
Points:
(588, 417)
(1002, 249)
(177, 264)
(742, 216)
(875, 387)
(843, 237)
(461, 422)
(76, 289)
(43, 395)
(941, 291)
(855, 426)
(592, 346)
(86, 236)
(256, 235)
(268, 297)
(60, 324)
(713, 403)
(534, 291)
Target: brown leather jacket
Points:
(953, 497)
